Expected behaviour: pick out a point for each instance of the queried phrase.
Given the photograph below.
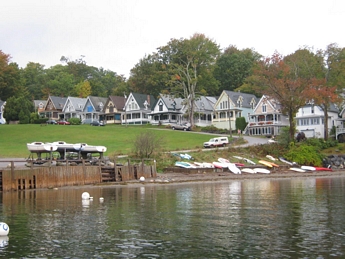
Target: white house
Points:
(2, 108)
(310, 120)
(167, 110)
(138, 108)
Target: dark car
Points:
(51, 122)
(184, 126)
(63, 122)
(97, 123)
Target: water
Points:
(299, 218)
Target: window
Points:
(160, 107)
(264, 108)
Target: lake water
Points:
(261, 218)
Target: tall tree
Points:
(234, 66)
(186, 60)
(278, 80)
(149, 76)
(9, 76)
(34, 77)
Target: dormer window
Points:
(264, 108)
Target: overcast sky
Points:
(116, 34)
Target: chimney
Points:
(148, 99)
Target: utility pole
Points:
(229, 107)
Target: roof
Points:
(118, 101)
(143, 99)
(58, 102)
(247, 98)
(98, 102)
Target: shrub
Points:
(74, 121)
(304, 154)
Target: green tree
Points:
(59, 82)
(9, 77)
(185, 60)
(234, 66)
(18, 108)
(83, 89)
(34, 77)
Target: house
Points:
(2, 108)
(231, 105)
(54, 106)
(93, 109)
(39, 106)
(310, 120)
(204, 110)
(138, 108)
(73, 107)
(167, 110)
(267, 118)
(114, 107)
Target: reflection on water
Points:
(299, 218)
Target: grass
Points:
(118, 139)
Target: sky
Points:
(116, 34)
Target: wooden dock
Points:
(14, 178)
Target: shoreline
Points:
(171, 178)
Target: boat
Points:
(233, 168)
(286, 161)
(323, 169)
(223, 160)
(238, 157)
(249, 161)
(261, 171)
(271, 158)
(184, 164)
(308, 168)
(248, 170)
(239, 164)
(186, 156)
(266, 163)
(207, 165)
(296, 169)
(220, 165)
(40, 147)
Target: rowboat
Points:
(233, 168)
(261, 171)
(300, 170)
(308, 168)
(266, 163)
(184, 164)
(248, 170)
(249, 161)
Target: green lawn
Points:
(117, 138)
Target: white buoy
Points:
(142, 179)
(4, 229)
(85, 196)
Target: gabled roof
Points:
(170, 102)
(98, 103)
(76, 102)
(269, 101)
(57, 102)
(38, 102)
(118, 101)
(246, 98)
(205, 103)
(143, 100)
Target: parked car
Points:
(217, 142)
(97, 123)
(63, 122)
(184, 126)
(51, 122)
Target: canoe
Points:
(285, 161)
(271, 163)
(248, 170)
(223, 160)
(184, 164)
(186, 156)
(238, 157)
(266, 163)
(300, 170)
(248, 161)
(207, 165)
(323, 169)
(271, 158)
(261, 171)
(239, 164)
(233, 168)
(220, 165)
(308, 168)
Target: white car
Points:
(216, 142)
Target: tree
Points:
(149, 76)
(83, 89)
(9, 76)
(34, 78)
(146, 143)
(234, 66)
(186, 60)
(18, 108)
(279, 81)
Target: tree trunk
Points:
(325, 129)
